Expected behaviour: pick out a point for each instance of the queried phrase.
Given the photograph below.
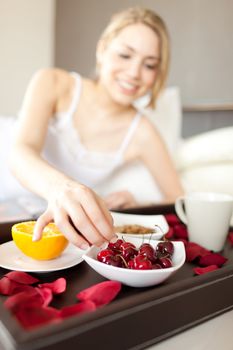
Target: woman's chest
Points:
(100, 133)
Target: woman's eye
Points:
(151, 67)
(125, 56)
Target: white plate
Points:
(121, 219)
(12, 258)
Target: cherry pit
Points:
(125, 255)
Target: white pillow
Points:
(9, 186)
(211, 147)
(210, 177)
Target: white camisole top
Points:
(65, 151)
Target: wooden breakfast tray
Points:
(139, 317)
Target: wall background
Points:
(35, 34)
(26, 44)
(201, 34)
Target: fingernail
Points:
(84, 246)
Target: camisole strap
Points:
(130, 133)
(76, 94)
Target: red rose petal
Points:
(46, 295)
(101, 293)
(172, 219)
(7, 286)
(10, 287)
(21, 277)
(180, 231)
(212, 259)
(79, 308)
(32, 298)
(202, 270)
(230, 237)
(31, 317)
(194, 250)
(170, 233)
(57, 287)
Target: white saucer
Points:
(12, 258)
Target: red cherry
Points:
(126, 255)
(131, 264)
(142, 263)
(145, 245)
(156, 267)
(165, 262)
(147, 250)
(127, 245)
(114, 260)
(101, 256)
(129, 253)
(165, 248)
(115, 246)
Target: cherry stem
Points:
(123, 259)
(161, 230)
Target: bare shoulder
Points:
(147, 132)
(146, 138)
(56, 79)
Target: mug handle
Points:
(180, 209)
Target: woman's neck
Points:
(102, 101)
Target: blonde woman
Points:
(75, 132)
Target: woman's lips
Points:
(127, 88)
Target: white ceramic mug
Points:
(207, 216)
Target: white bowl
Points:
(136, 278)
(156, 222)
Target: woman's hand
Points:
(120, 200)
(81, 216)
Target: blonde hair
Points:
(148, 17)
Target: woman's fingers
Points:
(81, 216)
(61, 219)
(120, 200)
(113, 201)
(84, 226)
(97, 215)
(105, 210)
(43, 220)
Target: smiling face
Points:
(129, 63)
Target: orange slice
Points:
(51, 245)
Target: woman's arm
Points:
(153, 152)
(148, 146)
(72, 206)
